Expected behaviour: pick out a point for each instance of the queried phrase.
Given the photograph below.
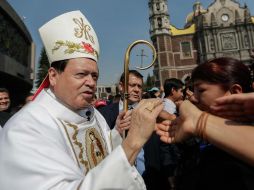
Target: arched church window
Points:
(158, 6)
(246, 40)
(186, 50)
(212, 44)
(159, 22)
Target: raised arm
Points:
(234, 138)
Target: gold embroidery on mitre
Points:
(72, 47)
(82, 29)
(95, 149)
(82, 47)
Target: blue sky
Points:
(117, 23)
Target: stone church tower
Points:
(223, 29)
(176, 54)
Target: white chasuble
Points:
(47, 146)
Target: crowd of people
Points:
(194, 134)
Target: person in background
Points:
(116, 118)
(110, 99)
(100, 103)
(173, 89)
(59, 141)
(5, 103)
(111, 111)
(117, 98)
(170, 153)
(27, 99)
(216, 79)
(155, 92)
(94, 100)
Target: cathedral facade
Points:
(225, 28)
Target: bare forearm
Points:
(232, 137)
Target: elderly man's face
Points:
(4, 101)
(76, 85)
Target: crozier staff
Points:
(126, 70)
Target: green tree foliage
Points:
(149, 82)
(43, 67)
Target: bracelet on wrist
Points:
(201, 126)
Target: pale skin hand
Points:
(123, 121)
(142, 126)
(183, 127)
(238, 107)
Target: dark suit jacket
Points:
(110, 113)
(4, 116)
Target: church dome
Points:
(197, 10)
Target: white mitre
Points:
(68, 36)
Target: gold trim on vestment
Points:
(79, 144)
(70, 142)
(78, 188)
(94, 150)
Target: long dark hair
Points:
(224, 71)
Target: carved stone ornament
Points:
(228, 41)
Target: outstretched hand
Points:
(238, 107)
(181, 128)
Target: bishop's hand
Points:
(143, 121)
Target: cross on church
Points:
(142, 55)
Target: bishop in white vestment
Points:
(59, 141)
(44, 147)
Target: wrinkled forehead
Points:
(136, 79)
